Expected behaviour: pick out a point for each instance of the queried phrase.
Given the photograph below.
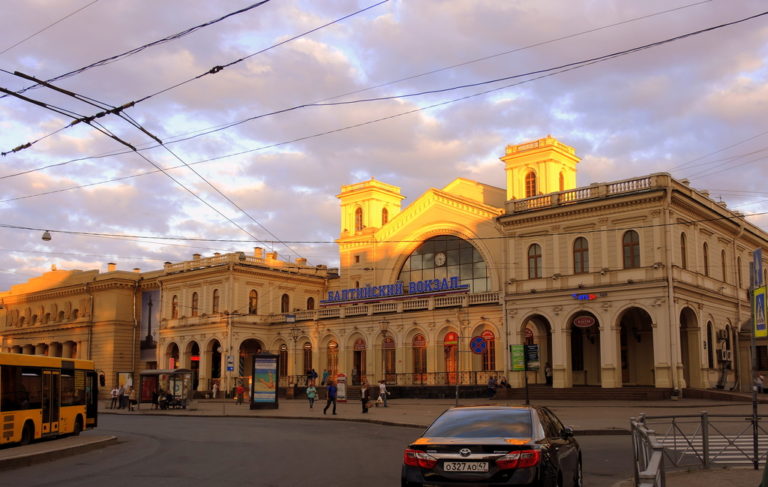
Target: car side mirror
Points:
(567, 432)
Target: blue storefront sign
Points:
(399, 289)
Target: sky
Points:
(247, 163)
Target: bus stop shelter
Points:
(171, 388)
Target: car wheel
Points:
(578, 478)
(27, 434)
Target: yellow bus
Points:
(43, 397)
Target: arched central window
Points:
(534, 262)
(285, 303)
(631, 249)
(530, 184)
(310, 303)
(580, 255)
(174, 307)
(683, 252)
(215, 301)
(444, 257)
(706, 259)
(723, 266)
(195, 304)
(358, 219)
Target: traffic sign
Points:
(478, 344)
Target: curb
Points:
(59, 448)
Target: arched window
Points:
(722, 265)
(419, 356)
(710, 346)
(446, 256)
(307, 349)
(530, 184)
(310, 303)
(384, 216)
(333, 359)
(253, 302)
(580, 255)
(489, 354)
(285, 304)
(683, 252)
(283, 359)
(740, 283)
(358, 219)
(388, 351)
(215, 301)
(706, 259)
(631, 249)
(534, 262)
(195, 304)
(174, 307)
(562, 181)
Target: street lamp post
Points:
(295, 334)
(384, 330)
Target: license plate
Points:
(465, 466)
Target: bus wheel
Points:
(27, 434)
(78, 426)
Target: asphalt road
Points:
(198, 451)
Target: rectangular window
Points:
(762, 357)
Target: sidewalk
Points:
(586, 417)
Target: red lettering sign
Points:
(583, 321)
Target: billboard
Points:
(264, 384)
(761, 328)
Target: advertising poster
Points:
(517, 353)
(761, 329)
(150, 322)
(532, 357)
(264, 385)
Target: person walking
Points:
(239, 390)
(311, 394)
(331, 391)
(215, 389)
(121, 398)
(131, 399)
(325, 377)
(365, 396)
(548, 373)
(759, 383)
(113, 394)
(383, 392)
(313, 376)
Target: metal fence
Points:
(695, 441)
(465, 378)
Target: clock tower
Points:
(539, 167)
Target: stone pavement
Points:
(586, 417)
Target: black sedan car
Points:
(494, 445)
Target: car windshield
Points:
(482, 423)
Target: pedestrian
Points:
(155, 400)
(325, 377)
(309, 376)
(504, 384)
(365, 396)
(491, 387)
(113, 394)
(215, 389)
(759, 383)
(383, 392)
(331, 391)
(548, 373)
(239, 390)
(311, 394)
(131, 398)
(121, 398)
(313, 376)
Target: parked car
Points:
(494, 445)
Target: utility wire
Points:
(46, 28)
(560, 68)
(135, 50)
(734, 217)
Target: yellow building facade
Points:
(640, 282)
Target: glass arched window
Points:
(253, 302)
(562, 181)
(310, 303)
(580, 255)
(216, 298)
(723, 266)
(195, 304)
(358, 219)
(384, 216)
(489, 354)
(530, 184)
(710, 346)
(683, 252)
(419, 357)
(740, 283)
(444, 257)
(631, 249)
(285, 304)
(307, 353)
(706, 258)
(534, 262)
(174, 307)
(333, 359)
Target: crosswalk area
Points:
(722, 450)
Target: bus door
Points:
(91, 399)
(51, 401)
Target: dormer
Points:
(539, 167)
(368, 206)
